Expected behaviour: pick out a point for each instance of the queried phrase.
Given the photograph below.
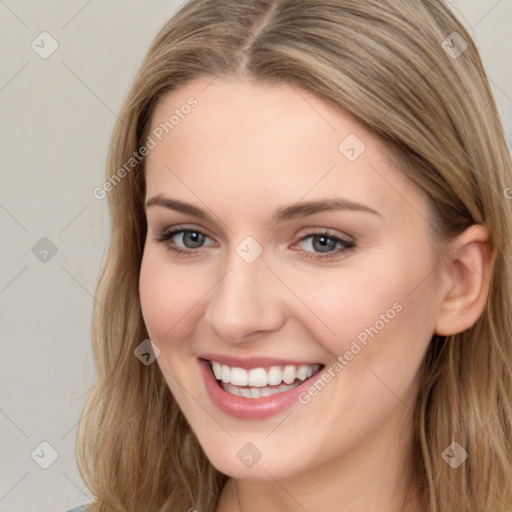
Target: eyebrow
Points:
(294, 211)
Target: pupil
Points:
(195, 238)
(324, 245)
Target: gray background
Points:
(56, 119)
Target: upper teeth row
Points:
(260, 377)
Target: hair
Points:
(384, 62)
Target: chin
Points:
(240, 466)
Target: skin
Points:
(245, 150)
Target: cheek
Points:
(389, 306)
(169, 298)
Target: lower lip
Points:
(248, 408)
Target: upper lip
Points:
(253, 362)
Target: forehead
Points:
(276, 142)
(255, 113)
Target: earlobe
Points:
(471, 256)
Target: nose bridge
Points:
(244, 301)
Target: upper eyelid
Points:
(305, 218)
(183, 228)
(189, 227)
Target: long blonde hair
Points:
(403, 69)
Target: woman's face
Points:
(303, 247)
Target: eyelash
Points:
(347, 246)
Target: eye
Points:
(322, 245)
(183, 241)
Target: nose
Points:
(246, 301)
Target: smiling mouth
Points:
(263, 381)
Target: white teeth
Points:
(245, 392)
(302, 372)
(274, 376)
(217, 370)
(257, 392)
(257, 377)
(262, 377)
(226, 374)
(266, 391)
(239, 376)
(289, 373)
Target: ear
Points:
(471, 256)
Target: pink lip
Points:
(252, 362)
(249, 408)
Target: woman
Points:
(311, 223)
